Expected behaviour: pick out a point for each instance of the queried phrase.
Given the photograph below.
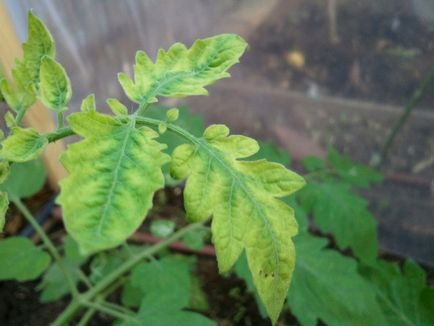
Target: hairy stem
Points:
(86, 298)
(50, 246)
(415, 99)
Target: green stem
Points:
(20, 116)
(84, 278)
(117, 307)
(110, 311)
(117, 273)
(87, 317)
(50, 246)
(415, 99)
(131, 262)
(91, 311)
(143, 107)
(59, 134)
(60, 120)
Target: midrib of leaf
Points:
(59, 97)
(195, 72)
(236, 178)
(398, 312)
(115, 177)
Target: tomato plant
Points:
(122, 159)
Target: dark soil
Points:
(381, 53)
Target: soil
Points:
(378, 53)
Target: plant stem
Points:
(59, 134)
(60, 120)
(110, 311)
(116, 307)
(142, 109)
(87, 317)
(50, 246)
(415, 99)
(85, 298)
(131, 262)
(20, 116)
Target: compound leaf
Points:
(106, 172)
(24, 144)
(21, 260)
(403, 295)
(321, 285)
(55, 85)
(336, 209)
(242, 197)
(350, 172)
(180, 71)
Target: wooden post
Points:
(37, 117)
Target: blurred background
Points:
(317, 73)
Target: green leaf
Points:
(162, 127)
(326, 286)
(196, 240)
(350, 172)
(4, 204)
(336, 209)
(24, 144)
(180, 71)
(10, 120)
(88, 104)
(17, 98)
(55, 85)
(4, 170)
(117, 107)
(106, 171)
(107, 261)
(22, 94)
(165, 287)
(242, 197)
(21, 260)
(313, 163)
(172, 115)
(53, 285)
(39, 43)
(403, 295)
(25, 179)
(162, 228)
